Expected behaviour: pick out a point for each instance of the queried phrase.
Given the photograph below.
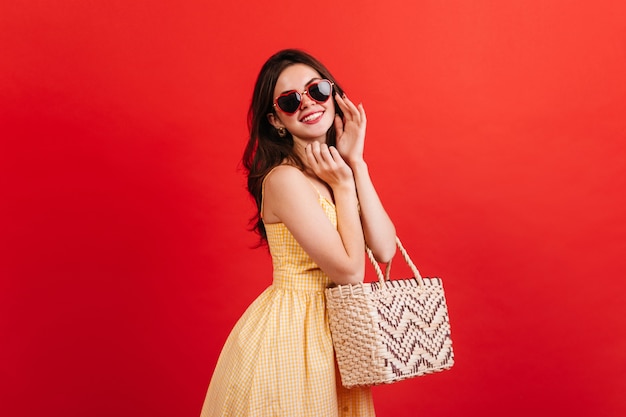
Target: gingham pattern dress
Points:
(279, 359)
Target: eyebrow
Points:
(305, 85)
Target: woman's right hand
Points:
(350, 130)
(328, 165)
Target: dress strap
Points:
(319, 194)
(263, 189)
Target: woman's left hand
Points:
(351, 130)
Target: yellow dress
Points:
(279, 358)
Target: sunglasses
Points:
(290, 101)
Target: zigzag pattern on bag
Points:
(389, 333)
(415, 339)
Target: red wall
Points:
(496, 138)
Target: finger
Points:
(353, 110)
(338, 125)
(310, 155)
(362, 112)
(334, 153)
(347, 112)
(339, 162)
(321, 154)
(325, 154)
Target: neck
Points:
(299, 146)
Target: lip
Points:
(314, 120)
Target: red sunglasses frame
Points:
(306, 91)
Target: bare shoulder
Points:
(284, 179)
(286, 188)
(283, 172)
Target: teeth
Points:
(311, 117)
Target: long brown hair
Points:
(266, 148)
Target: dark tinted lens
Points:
(289, 103)
(320, 91)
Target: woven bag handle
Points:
(386, 277)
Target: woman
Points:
(317, 209)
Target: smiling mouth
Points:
(312, 116)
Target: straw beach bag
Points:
(389, 330)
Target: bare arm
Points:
(290, 199)
(379, 231)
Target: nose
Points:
(306, 100)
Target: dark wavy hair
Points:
(265, 148)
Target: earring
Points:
(282, 132)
